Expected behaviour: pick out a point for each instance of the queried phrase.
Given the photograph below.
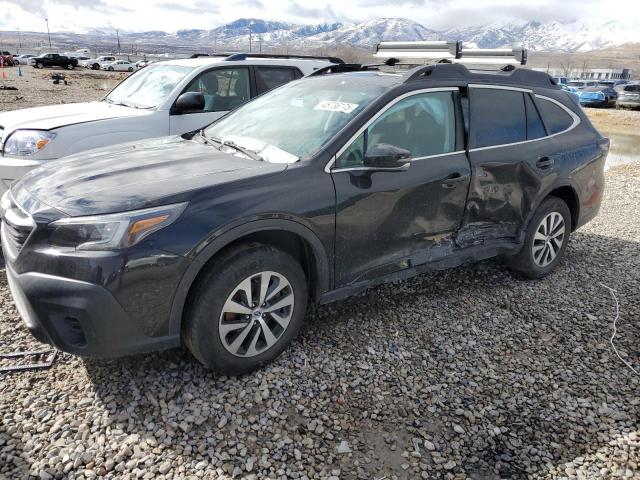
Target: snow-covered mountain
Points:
(537, 36)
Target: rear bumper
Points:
(79, 317)
(635, 103)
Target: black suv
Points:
(312, 192)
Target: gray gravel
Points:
(468, 373)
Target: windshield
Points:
(148, 88)
(295, 120)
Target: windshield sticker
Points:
(331, 106)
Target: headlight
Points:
(27, 142)
(114, 231)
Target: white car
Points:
(96, 63)
(119, 66)
(165, 98)
(22, 59)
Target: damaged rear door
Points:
(509, 165)
(389, 220)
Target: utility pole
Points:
(249, 38)
(118, 35)
(19, 40)
(48, 34)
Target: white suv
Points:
(165, 98)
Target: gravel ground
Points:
(468, 373)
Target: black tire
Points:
(95, 66)
(524, 262)
(131, 69)
(70, 66)
(111, 69)
(39, 65)
(215, 286)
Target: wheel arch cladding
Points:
(570, 197)
(289, 236)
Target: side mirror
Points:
(189, 102)
(387, 157)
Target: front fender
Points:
(225, 236)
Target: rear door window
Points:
(223, 89)
(555, 117)
(268, 78)
(498, 117)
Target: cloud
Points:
(197, 8)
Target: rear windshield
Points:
(632, 88)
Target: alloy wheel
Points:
(256, 314)
(548, 239)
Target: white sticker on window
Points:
(331, 106)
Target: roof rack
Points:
(451, 51)
(352, 67)
(232, 57)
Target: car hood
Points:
(135, 175)
(55, 116)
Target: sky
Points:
(172, 15)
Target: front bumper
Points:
(13, 168)
(79, 317)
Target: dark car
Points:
(310, 193)
(629, 96)
(54, 60)
(601, 96)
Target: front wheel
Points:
(70, 66)
(246, 309)
(39, 65)
(131, 69)
(545, 241)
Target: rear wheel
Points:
(70, 66)
(131, 69)
(95, 66)
(246, 309)
(545, 241)
(111, 69)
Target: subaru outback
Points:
(310, 193)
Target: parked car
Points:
(143, 63)
(119, 66)
(54, 60)
(581, 84)
(310, 193)
(612, 83)
(599, 96)
(572, 91)
(166, 98)
(561, 80)
(96, 63)
(7, 59)
(629, 96)
(22, 59)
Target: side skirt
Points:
(455, 259)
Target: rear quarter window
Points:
(554, 116)
(498, 117)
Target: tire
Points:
(219, 290)
(131, 69)
(95, 66)
(536, 259)
(39, 65)
(111, 69)
(70, 66)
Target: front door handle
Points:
(452, 180)
(544, 163)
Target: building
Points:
(589, 73)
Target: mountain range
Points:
(578, 36)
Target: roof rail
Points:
(451, 51)
(448, 71)
(351, 67)
(232, 57)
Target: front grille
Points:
(17, 225)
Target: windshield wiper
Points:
(228, 143)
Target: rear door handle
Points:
(452, 180)
(544, 163)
